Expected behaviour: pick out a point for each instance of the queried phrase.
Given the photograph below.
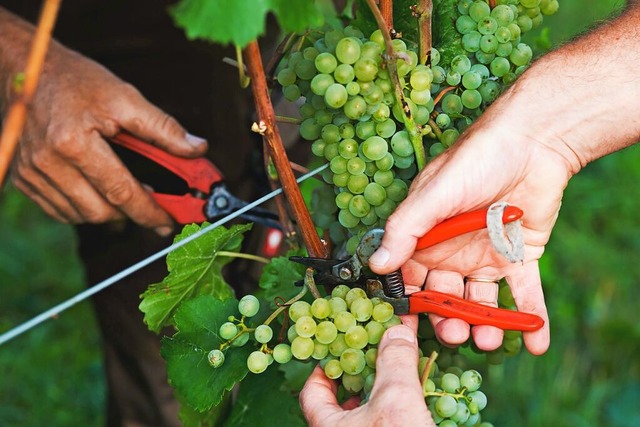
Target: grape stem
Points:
(427, 368)
(390, 57)
(284, 45)
(285, 306)
(492, 3)
(287, 119)
(435, 128)
(242, 70)
(244, 256)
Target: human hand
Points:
(63, 162)
(489, 163)
(396, 398)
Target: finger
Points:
(44, 204)
(318, 398)
(397, 361)
(150, 123)
(118, 187)
(414, 273)
(397, 375)
(486, 337)
(33, 184)
(451, 332)
(351, 403)
(526, 287)
(411, 321)
(78, 192)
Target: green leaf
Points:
(195, 380)
(280, 275)
(296, 16)
(240, 22)
(296, 374)
(194, 269)
(263, 402)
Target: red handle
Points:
(198, 173)
(446, 305)
(462, 224)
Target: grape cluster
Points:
(349, 111)
(452, 391)
(342, 332)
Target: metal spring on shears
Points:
(394, 285)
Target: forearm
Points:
(582, 100)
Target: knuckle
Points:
(120, 193)
(68, 146)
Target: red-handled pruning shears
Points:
(201, 194)
(390, 287)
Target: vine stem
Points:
(386, 10)
(390, 56)
(424, 13)
(17, 113)
(269, 130)
(251, 257)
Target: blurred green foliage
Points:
(52, 375)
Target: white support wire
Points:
(54, 311)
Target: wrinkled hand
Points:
(63, 162)
(396, 398)
(485, 166)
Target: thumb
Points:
(409, 222)
(397, 363)
(151, 124)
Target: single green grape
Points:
(338, 346)
(375, 330)
(326, 63)
(348, 50)
(344, 320)
(446, 406)
(282, 353)
(471, 380)
(306, 326)
(257, 362)
(382, 312)
(320, 308)
(361, 308)
(299, 309)
(302, 348)
(479, 398)
(326, 332)
(450, 382)
(216, 358)
(249, 306)
(263, 334)
(336, 95)
(352, 361)
(332, 369)
(228, 330)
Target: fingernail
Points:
(380, 257)
(164, 231)
(401, 333)
(195, 141)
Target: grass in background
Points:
(52, 375)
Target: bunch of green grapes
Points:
(451, 388)
(349, 112)
(342, 332)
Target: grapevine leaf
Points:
(195, 380)
(297, 16)
(241, 21)
(445, 35)
(296, 374)
(279, 276)
(194, 269)
(254, 407)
